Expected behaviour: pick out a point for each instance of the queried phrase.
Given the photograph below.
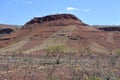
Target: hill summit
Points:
(56, 20)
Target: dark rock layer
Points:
(109, 28)
(6, 31)
(56, 17)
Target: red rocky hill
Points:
(60, 29)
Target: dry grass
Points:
(77, 68)
(58, 38)
(110, 38)
(14, 47)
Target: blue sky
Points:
(102, 12)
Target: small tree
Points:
(57, 51)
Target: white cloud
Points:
(23, 1)
(28, 2)
(86, 10)
(72, 8)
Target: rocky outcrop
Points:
(109, 28)
(62, 18)
(6, 31)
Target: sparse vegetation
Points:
(70, 50)
(57, 51)
(84, 68)
(94, 78)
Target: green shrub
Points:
(94, 78)
(56, 51)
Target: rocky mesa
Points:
(56, 20)
(59, 29)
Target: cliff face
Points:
(58, 19)
(109, 28)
